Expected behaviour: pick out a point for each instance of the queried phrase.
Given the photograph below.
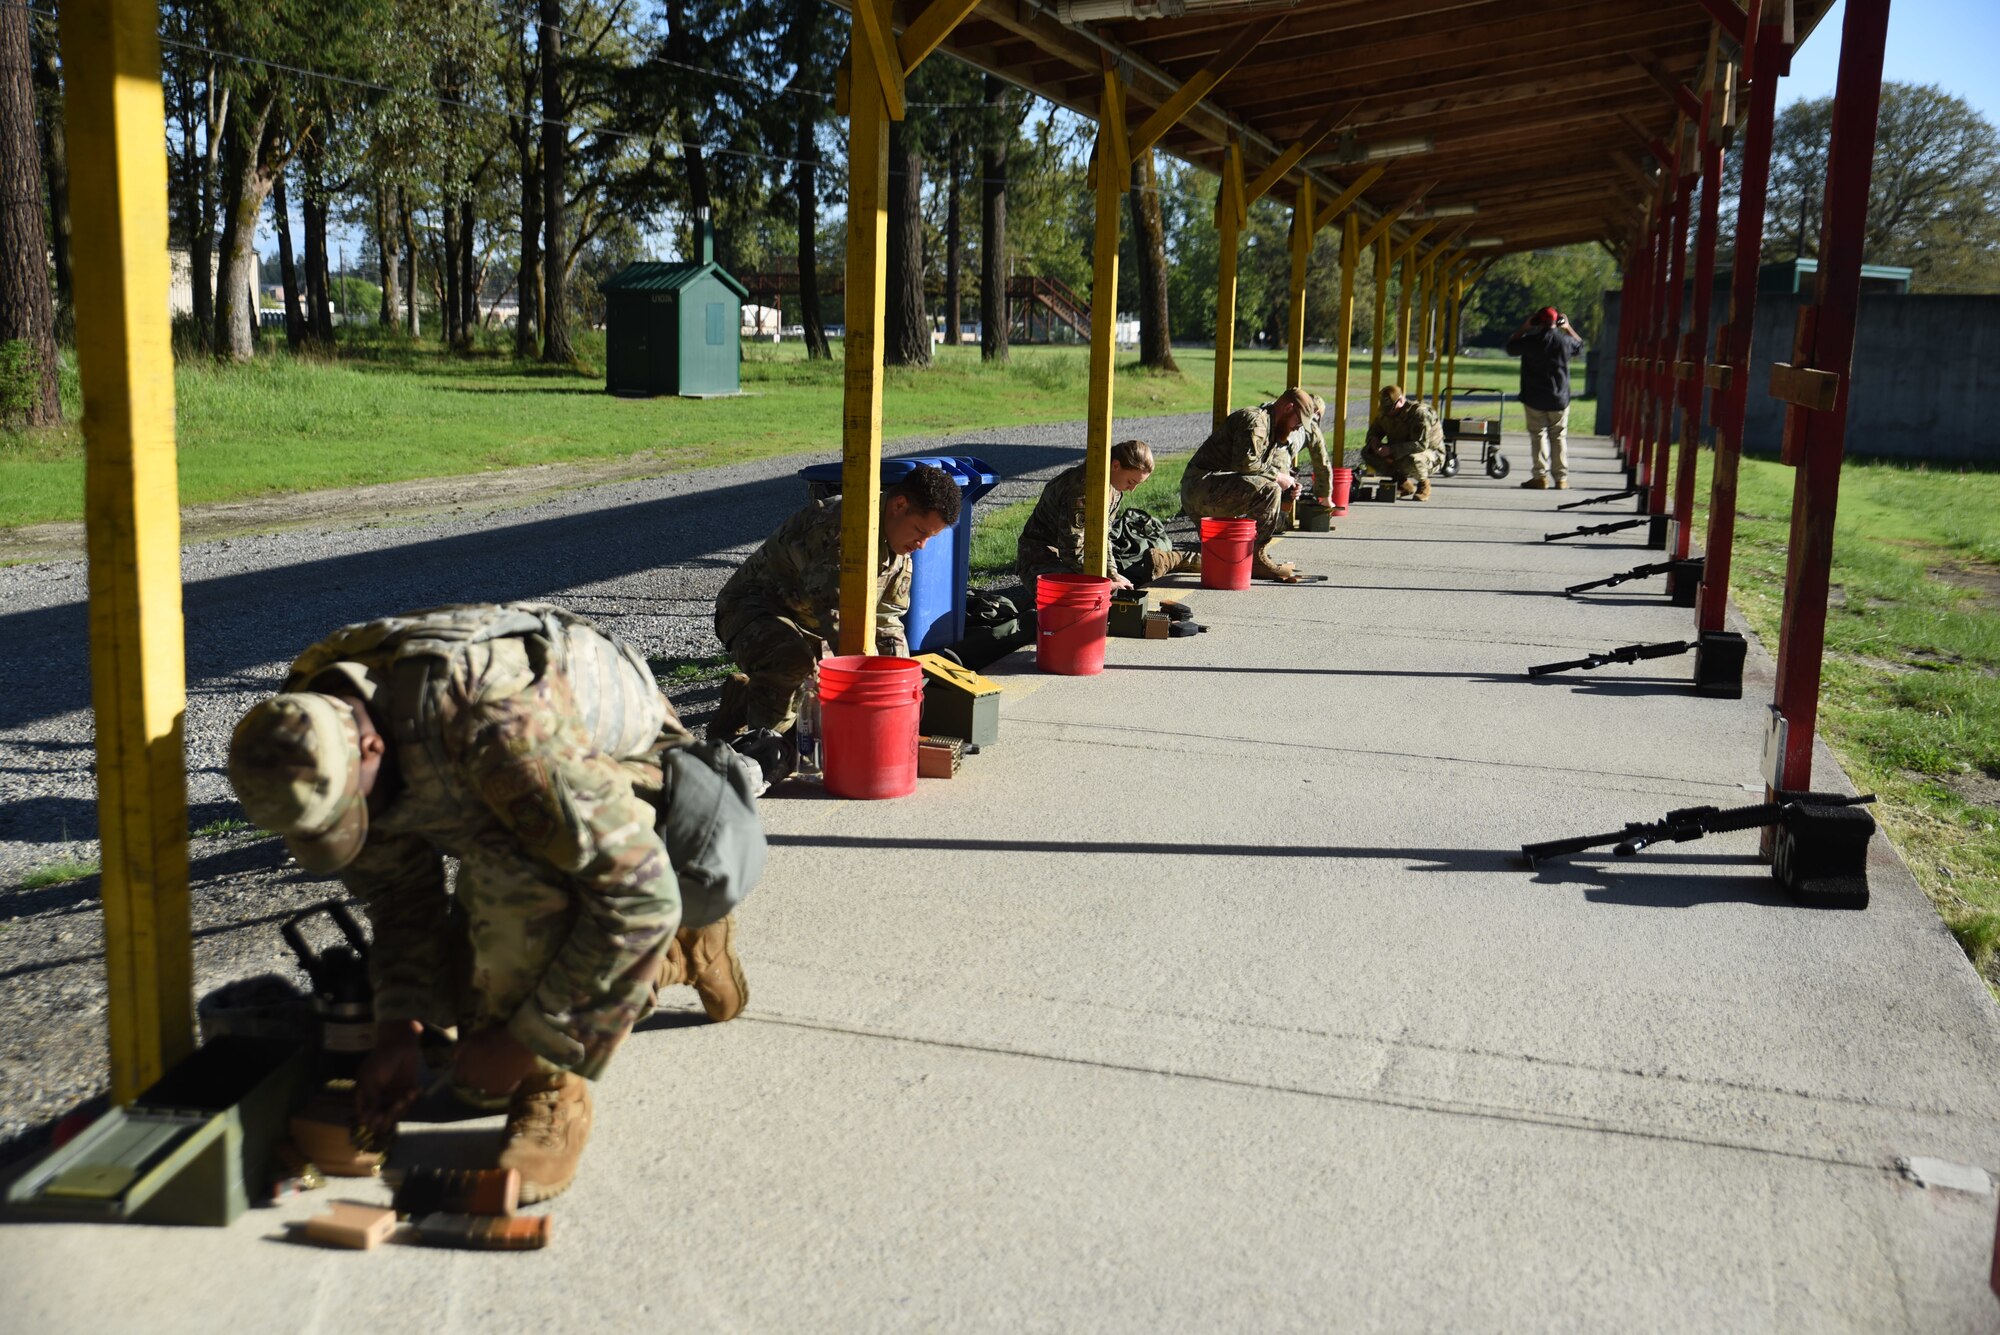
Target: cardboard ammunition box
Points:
(192, 1149)
(1157, 626)
(939, 757)
(958, 702)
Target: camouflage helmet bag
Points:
(295, 762)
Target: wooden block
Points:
(348, 1224)
(1719, 374)
(1805, 386)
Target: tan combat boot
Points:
(548, 1122)
(673, 968)
(1186, 560)
(714, 967)
(1424, 489)
(1562, 484)
(1407, 487)
(1263, 567)
(732, 713)
(1535, 484)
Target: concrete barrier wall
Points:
(1926, 375)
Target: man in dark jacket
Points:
(1545, 343)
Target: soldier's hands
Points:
(1118, 581)
(387, 1081)
(1285, 480)
(493, 1061)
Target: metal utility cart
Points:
(1485, 430)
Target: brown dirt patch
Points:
(1979, 788)
(1976, 577)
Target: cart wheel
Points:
(1450, 468)
(1498, 466)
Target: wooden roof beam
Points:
(1329, 121)
(1727, 16)
(1689, 104)
(1340, 202)
(1388, 218)
(1197, 85)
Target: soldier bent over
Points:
(782, 607)
(1244, 470)
(1405, 442)
(1051, 542)
(600, 851)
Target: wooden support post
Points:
(1406, 281)
(1295, 314)
(1850, 154)
(1381, 319)
(1695, 345)
(1114, 173)
(874, 99)
(1733, 348)
(1670, 337)
(1451, 348)
(1343, 332)
(1230, 210)
(114, 109)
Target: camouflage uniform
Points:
(1051, 541)
(1233, 474)
(783, 604)
(540, 753)
(1415, 438)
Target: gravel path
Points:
(644, 558)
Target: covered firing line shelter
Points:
(1439, 132)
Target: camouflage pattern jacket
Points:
(529, 746)
(796, 574)
(1415, 427)
(1054, 532)
(1243, 444)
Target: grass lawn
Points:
(387, 410)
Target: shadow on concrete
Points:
(1602, 686)
(1671, 889)
(1443, 859)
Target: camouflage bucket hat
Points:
(295, 762)
(1389, 395)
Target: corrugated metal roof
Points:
(666, 276)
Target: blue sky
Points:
(1951, 43)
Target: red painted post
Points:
(1649, 352)
(1694, 349)
(1850, 154)
(1670, 333)
(1771, 56)
(1628, 318)
(1642, 315)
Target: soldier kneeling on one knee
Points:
(600, 851)
(1405, 442)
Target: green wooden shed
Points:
(675, 328)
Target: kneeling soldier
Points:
(1405, 442)
(1244, 469)
(782, 607)
(1051, 542)
(600, 852)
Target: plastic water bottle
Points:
(806, 730)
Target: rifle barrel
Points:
(1598, 500)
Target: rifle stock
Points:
(1688, 823)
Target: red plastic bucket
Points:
(1225, 552)
(1071, 612)
(868, 725)
(1343, 487)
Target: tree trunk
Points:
(1149, 243)
(680, 48)
(555, 297)
(247, 179)
(201, 246)
(468, 275)
(528, 283)
(319, 282)
(288, 273)
(448, 304)
(993, 155)
(412, 320)
(952, 246)
(807, 184)
(28, 393)
(55, 162)
(907, 336)
(386, 250)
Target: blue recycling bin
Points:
(939, 570)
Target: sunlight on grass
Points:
(59, 872)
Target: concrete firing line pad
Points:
(1215, 996)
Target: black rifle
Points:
(1630, 653)
(1688, 823)
(1636, 572)
(1589, 529)
(1600, 500)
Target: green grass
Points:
(682, 673)
(60, 872)
(218, 828)
(1910, 683)
(996, 533)
(387, 410)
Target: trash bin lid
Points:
(973, 476)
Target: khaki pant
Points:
(1233, 496)
(1548, 438)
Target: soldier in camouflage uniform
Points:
(1051, 542)
(781, 609)
(1405, 442)
(1244, 469)
(600, 852)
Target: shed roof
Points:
(668, 276)
(1529, 105)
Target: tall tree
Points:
(952, 242)
(55, 162)
(389, 255)
(252, 160)
(28, 392)
(555, 307)
(995, 147)
(813, 58)
(907, 334)
(528, 276)
(288, 272)
(1149, 240)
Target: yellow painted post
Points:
(1114, 172)
(1381, 319)
(876, 77)
(1229, 214)
(1295, 315)
(118, 202)
(1451, 348)
(1343, 332)
(1427, 296)
(1405, 282)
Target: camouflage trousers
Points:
(1233, 496)
(1157, 563)
(778, 655)
(510, 918)
(1400, 461)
